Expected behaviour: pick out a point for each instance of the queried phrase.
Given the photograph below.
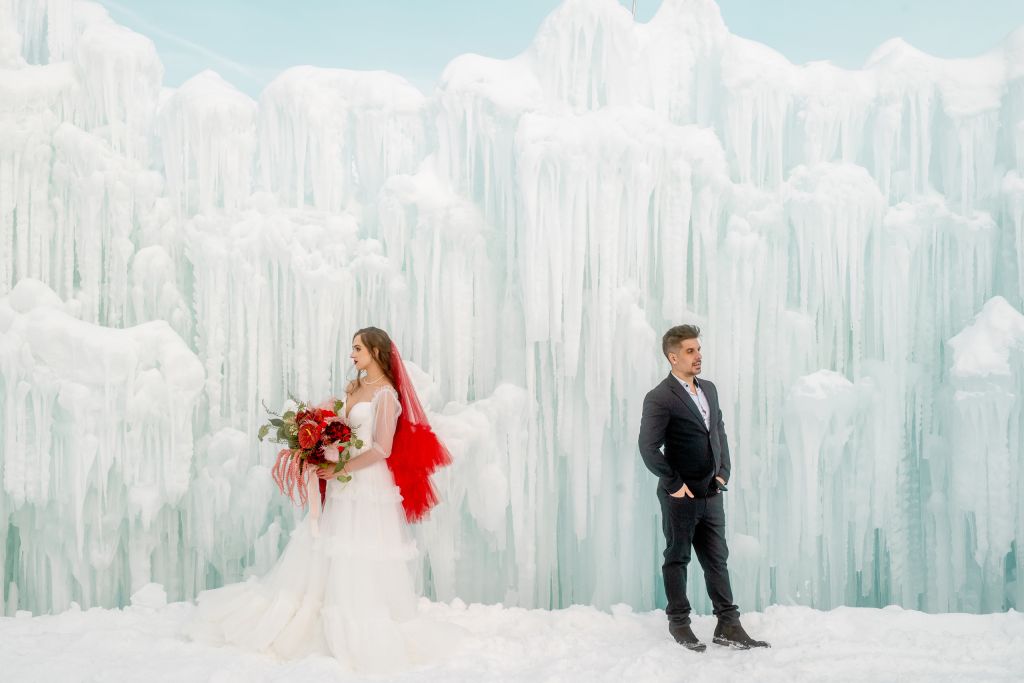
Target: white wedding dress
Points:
(343, 586)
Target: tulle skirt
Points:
(344, 588)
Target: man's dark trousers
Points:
(699, 522)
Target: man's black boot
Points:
(733, 635)
(684, 636)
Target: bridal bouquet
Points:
(314, 436)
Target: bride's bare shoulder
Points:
(350, 388)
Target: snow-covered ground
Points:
(513, 644)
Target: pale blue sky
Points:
(250, 42)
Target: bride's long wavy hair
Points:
(379, 344)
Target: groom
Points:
(684, 416)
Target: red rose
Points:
(317, 456)
(309, 434)
(336, 431)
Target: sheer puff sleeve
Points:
(386, 410)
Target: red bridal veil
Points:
(416, 451)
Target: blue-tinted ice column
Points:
(979, 479)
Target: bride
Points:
(343, 586)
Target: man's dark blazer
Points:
(692, 453)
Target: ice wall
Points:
(852, 243)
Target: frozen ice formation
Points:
(851, 242)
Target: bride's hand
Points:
(327, 473)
